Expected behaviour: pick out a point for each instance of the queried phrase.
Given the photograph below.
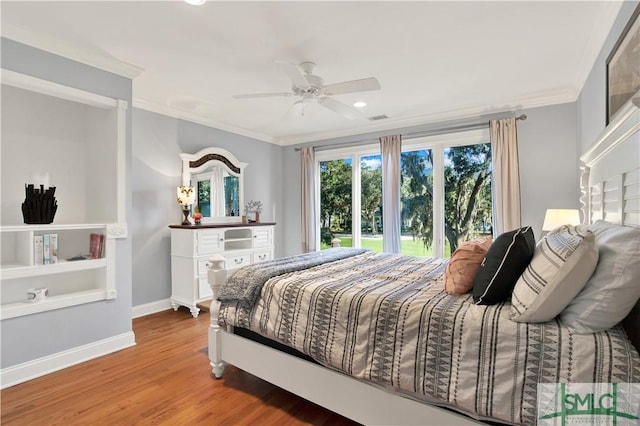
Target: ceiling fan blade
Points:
(342, 109)
(352, 86)
(293, 71)
(262, 95)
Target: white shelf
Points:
(12, 310)
(52, 227)
(8, 272)
(88, 131)
(231, 240)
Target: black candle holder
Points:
(39, 205)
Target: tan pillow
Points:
(464, 264)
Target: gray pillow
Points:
(614, 287)
(562, 263)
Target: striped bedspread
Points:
(387, 319)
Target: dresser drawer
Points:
(233, 261)
(210, 242)
(261, 256)
(203, 266)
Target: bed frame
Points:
(610, 184)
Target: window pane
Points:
(416, 197)
(371, 202)
(467, 208)
(204, 199)
(231, 192)
(335, 202)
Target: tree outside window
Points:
(465, 196)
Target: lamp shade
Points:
(558, 217)
(186, 195)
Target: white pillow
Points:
(614, 287)
(562, 263)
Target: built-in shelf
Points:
(77, 138)
(16, 309)
(21, 271)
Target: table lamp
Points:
(558, 217)
(186, 197)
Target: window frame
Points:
(436, 143)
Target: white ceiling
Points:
(434, 60)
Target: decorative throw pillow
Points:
(614, 287)
(464, 264)
(562, 263)
(506, 259)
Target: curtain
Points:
(216, 192)
(308, 178)
(390, 147)
(506, 175)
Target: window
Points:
(416, 196)
(335, 202)
(445, 194)
(371, 202)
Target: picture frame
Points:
(623, 73)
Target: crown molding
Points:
(554, 97)
(89, 57)
(198, 119)
(548, 98)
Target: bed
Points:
(358, 355)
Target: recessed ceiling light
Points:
(195, 2)
(360, 104)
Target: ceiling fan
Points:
(311, 88)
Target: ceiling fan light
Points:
(360, 104)
(195, 2)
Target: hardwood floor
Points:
(164, 379)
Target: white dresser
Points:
(240, 244)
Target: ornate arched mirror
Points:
(217, 177)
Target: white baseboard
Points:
(13, 375)
(150, 308)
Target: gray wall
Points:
(592, 100)
(548, 152)
(33, 336)
(158, 141)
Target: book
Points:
(46, 249)
(53, 248)
(38, 250)
(96, 246)
(102, 243)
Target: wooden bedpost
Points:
(217, 276)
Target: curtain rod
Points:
(431, 132)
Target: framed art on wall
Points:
(623, 67)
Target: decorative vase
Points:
(39, 205)
(257, 216)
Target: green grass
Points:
(407, 247)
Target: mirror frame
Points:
(192, 164)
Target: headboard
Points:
(610, 182)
